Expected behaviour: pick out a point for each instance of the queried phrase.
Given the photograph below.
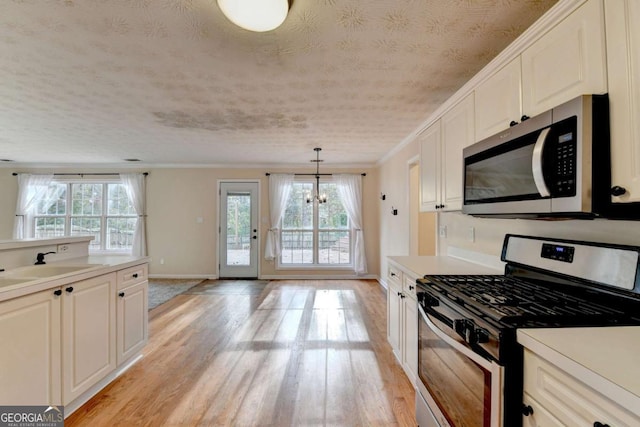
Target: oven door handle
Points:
(484, 363)
(536, 163)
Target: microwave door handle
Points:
(536, 163)
(484, 363)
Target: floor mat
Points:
(162, 290)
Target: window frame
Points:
(104, 217)
(316, 230)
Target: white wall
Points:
(490, 232)
(177, 197)
(394, 183)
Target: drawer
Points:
(409, 286)
(394, 274)
(540, 417)
(568, 399)
(132, 275)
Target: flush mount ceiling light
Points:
(255, 15)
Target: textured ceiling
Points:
(174, 82)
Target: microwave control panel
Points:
(565, 158)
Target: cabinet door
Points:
(89, 333)
(410, 341)
(568, 61)
(623, 58)
(132, 320)
(498, 101)
(430, 167)
(458, 131)
(30, 350)
(394, 320)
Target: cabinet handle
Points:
(599, 424)
(524, 117)
(393, 274)
(616, 190)
(121, 294)
(402, 296)
(135, 275)
(513, 123)
(57, 292)
(527, 410)
(410, 287)
(69, 289)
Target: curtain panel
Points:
(279, 190)
(350, 191)
(135, 185)
(31, 189)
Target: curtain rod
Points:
(314, 174)
(81, 174)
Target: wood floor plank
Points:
(286, 354)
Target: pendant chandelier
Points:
(320, 198)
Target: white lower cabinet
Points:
(89, 333)
(131, 309)
(57, 345)
(30, 350)
(556, 398)
(402, 320)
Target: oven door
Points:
(460, 387)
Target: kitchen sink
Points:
(33, 272)
(9, 281)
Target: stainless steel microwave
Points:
(556, 164)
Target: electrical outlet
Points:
(471, 234)
(442, 231)
(62, 248)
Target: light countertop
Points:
(607, 359)
(418, 266)
(96, 265)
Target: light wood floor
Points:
(288, 353)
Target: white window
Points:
(315, 234)
(99, 209)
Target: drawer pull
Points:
(527, 410)
(393, 274)
(411, 287)
(69, 289)
(121, 294)
(57, 292)
(135, 275)
(599, 424)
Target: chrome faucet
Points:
(40, 257)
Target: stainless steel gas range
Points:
(469, 363)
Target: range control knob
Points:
(481, 335)
(427, 300)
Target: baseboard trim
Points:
(312, 277)
(184, 276)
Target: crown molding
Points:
(546, 22)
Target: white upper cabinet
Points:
(441, 147)
(568, 61)
(498, 100)
(430, 167)
(623, 61)
(458, 131)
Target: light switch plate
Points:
(442, 231)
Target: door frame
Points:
(258, 225)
